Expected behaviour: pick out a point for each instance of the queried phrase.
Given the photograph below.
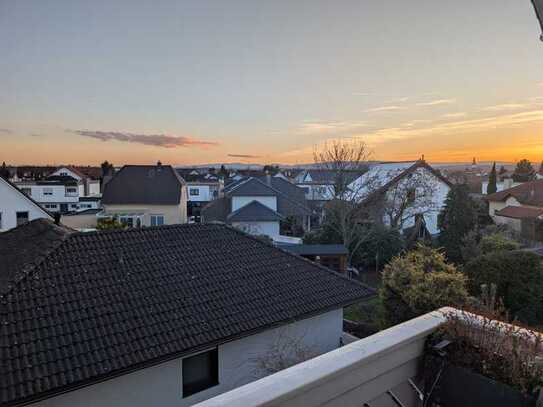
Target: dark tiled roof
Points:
(254, 212)
(316, 249)
(102, 304)
(25, 246)
(520, 212)
(144, 184)
(324, 176)
(216, 210)
(250, 187)
(529, 193)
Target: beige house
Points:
(519, 207)
(146, 195)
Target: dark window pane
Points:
(22, 218)
(200, 372)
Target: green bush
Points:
(419, 282)
(379, 247)
(497, 242)
(518, 276)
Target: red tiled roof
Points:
(528, 193)
(520, 212)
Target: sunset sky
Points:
(191, 82)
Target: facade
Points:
(171, 315)
(201, 189)
(146, 195)
(261, 206)
(90, 186)
(17, 208)
(520, 208)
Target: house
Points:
(504, 183)
(520, 207)
(202, 189)
(146, 195)
(82, 220)
(399, 194)
(266, 205)
(333, 256)
(90, 186)
(159, 316)
(318, 184)
(17, 208)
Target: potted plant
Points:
(478, 360)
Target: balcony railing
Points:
(375, 370)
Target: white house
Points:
(17, 208)
(404, 192)
(90, 186)
(165, 316)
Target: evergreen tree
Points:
(492, 181)
(455, 221)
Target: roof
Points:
(326, 176)
(254, 212)
(25, 246)
(84, 212)
(520, 212)
(528, 193)
(103, 304)
(250, 187)
(316, 249)
(28, 198)
(144, 185)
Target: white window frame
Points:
(197, 190)
(154, 219)
(47, 191)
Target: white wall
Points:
(204, 193)
(94, 187)
(241, 201)
(12, 201)
(67, 172)
(258, 228)
(161, 386)
(173, 214)
(58, 193)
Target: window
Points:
(48, 191)
(200, 372)
(157, 220)
(27, 191)
(22, 218)
(127, 221)
(194, 191)
(50, 206)
(71, 190)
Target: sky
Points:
(192, 82)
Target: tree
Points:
(518, 276)
(419, 282)
(107, 169)
(109, 224)
(524, 171)
(492, 181)
(457, 218)
(271, 169)
(503, 170)
(223, 172)
(380, 247)
(4, 172)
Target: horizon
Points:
(199, 83)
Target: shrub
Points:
(419, 282)
(109, 224)
(379, 246)
(497, 242)
(518, 276)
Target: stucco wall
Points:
(258, 228)
(161, 386)
(11, 202)
(83, 221)
(173, 214)
(240, 201)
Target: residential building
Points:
(504, 183)
(400, 194)
(82, 220)
(90, 186)
(201, 189)
(159, 316)
(17, 208)
(146, 195)
(520, 208)
(267, 205)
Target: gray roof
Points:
(250, 187)
(144, 185)
(103, 304)
(316, 249)
(254, 212)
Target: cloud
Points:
(6, 131)
(331, 128)
(437, 102)
(362, 94)
(454, 115)
(243, 156)
(158, 140)
(380, 109)
(506, 106)
(398, 100)
(35, 135)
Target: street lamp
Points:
(538, 6)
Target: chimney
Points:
(158, 164)
(268, 178)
